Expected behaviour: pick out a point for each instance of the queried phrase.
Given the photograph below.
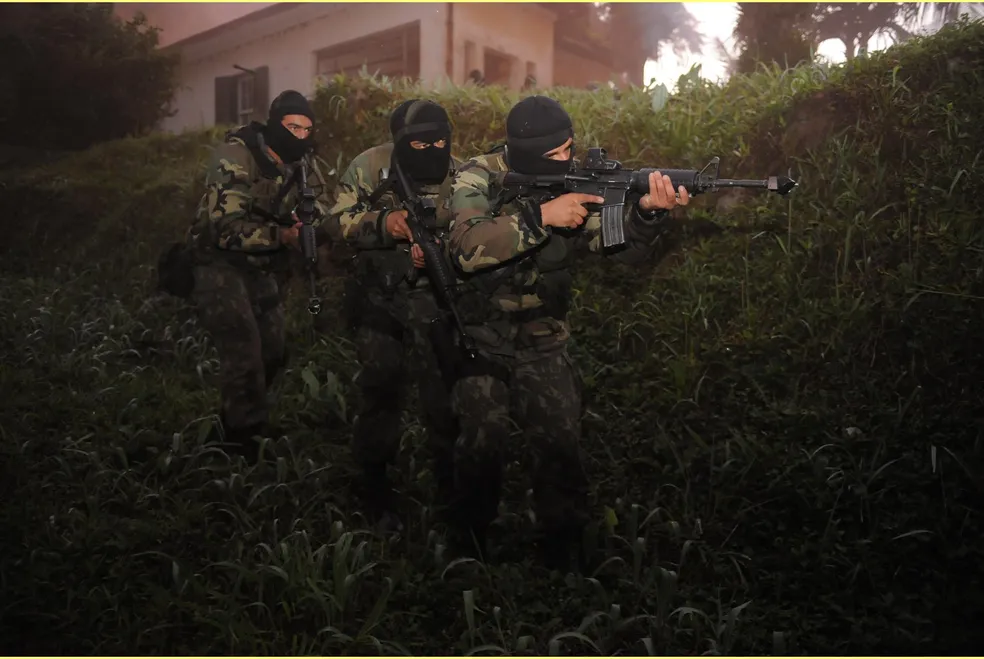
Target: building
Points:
(229, 67)
(228, 71)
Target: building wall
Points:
(289, 51)
(523, 31)
(574, 70)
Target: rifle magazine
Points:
(612, 227)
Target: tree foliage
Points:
(630, 33)
(771, 34)
(75, 74)
(785, 33)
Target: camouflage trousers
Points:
(543, 398)
(392, 339)
(243, 312)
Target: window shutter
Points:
(226, 99)
(261, 93)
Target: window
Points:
(244, 107)
(394, 53)
(498, 68)
(242, 97)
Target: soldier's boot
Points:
(443, 482)
(474, 507)
(245, 441)
(240, 441)
(561, 548)
(376, 490)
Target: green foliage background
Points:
(783, 427)
(58, 59)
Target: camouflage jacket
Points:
(515, 271)
(236, 219)
(381, 259)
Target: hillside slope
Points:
(783, 427)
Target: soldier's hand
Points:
(396, 225)
(661, 194)
(568, 210)
(290, 236)
(417, 255)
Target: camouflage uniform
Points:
(241, 273)
(391, 305)
(516, 313)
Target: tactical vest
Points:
(387, 269)
(268, 193)
(545, 273)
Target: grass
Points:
(782, 427)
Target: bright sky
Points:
(716, 20)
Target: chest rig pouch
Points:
(554, 284)
(386, 269)
(381, 269)
(266, 201)
(548, 268)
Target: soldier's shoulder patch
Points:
(370, 162)
(234, 151)
(474, 178)
(476, 163)
(496, 162)
(234, 140)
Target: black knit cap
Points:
(424, 121)
(399, 115)
(539, 117)
(290, 102)
(534, 126)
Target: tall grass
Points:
(782, 427)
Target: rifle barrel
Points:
(739, 183)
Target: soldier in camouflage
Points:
(239, 246)
(515, 256)
(390, 301)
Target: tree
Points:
(631, 33)
(854, 24)
(785, 32)
(938, 14)
(639, 29)
(75, 74)
(771, 34)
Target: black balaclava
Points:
(534, 126)
(423, 121)
(278, 138)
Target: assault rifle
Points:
(606, 178)
(438, 271)
(309, 245)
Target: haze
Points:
(715, 21)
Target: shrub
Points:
(782, 425)
(74, 75)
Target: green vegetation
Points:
(783, 428)
(75, 75)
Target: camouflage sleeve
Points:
(350, 218)
(228, 197)
(641, 235)
(478, 240)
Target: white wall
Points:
(288, 49)
(524, 31)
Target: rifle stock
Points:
(438, 272)
(606, 178)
